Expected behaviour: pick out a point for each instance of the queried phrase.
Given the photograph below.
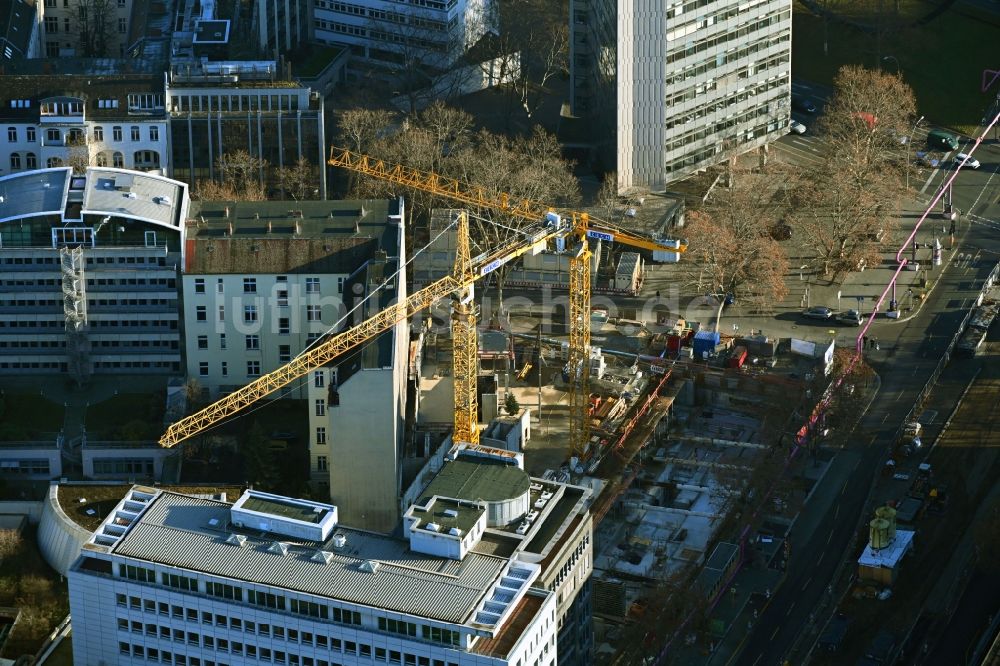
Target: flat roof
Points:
(305, 513)
(478, 481)
(31, 193)
(889, 557)
(134, 194)
(175, 530)
(448, 513)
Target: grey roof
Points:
(175, 531)
(17, 21)
(133, 194)
(89, 88)
(477, 481)
(28, 193)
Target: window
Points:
(321, 407)
(319, 379)
(222, 313)
(12, 134)
(253, 368)
(116, 133)
(117, 160)
(52, 49)
(51, 25)
(320, 435)
(282, 294)
(346, 616)
(15, 160)
(224, 591)
(321, 463)
(340, 285)
(312, 285)
(267, 600)
(154, 133)
(201, 313)
(308, 608)
(222, 340)
(99, 135)
(203, 368)
(30, 161)
(202, 342)
(284, 353)
(283, 326)
(249, 285)
(53, 135)
(199, 285)
(140, 574)
(219, 286)
(122, 26)
(396, 626)
(181, 582)
(135, 132)
(31, 136)
(249, 313)
(312, 313)
(252, 342)
(225, 369)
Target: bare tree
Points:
(730, 248)
(79, 154)
(298, 180)
(94, 25)
(846, 205)
(241, 171)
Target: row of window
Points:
(100, 344)
(740, 34)
(130, 466)
(169, 283)
(48, 260)
(170, 324)
(248, 101)
(26, 466)
(251, 314)
(170, 366)
(52, 25)
(266, 655)
(54, 134)
(265, 600)
(250, 285)
(92, 302)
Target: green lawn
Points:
(25, 415)
(308, 65)
(127, 416)
(943, 60)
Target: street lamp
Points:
(893, 58)
(909, 140)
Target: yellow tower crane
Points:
(459, 286)
(580, 229)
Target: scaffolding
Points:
(74, 287)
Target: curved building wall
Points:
(507, 511)
(59, 538)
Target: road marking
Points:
(821, 556)
(759, 657)
(844, 489)
(929, 179)
(829, 536)
(806, 586)
(788, 612)
(836, 512)
(776, 629)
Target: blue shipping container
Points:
(705, 341)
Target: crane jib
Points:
(493, 265)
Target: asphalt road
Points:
(910, 351)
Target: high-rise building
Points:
(176, 579)
(675, 86)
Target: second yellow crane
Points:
(579, 230)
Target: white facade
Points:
(164, 579)
(116, 121)
(390, 34)
(681, 84)
(241, 326)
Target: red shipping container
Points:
(738, 357)
(673, 343)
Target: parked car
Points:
(803, 104)
(833, 634)
(818, 312)
(850, 317)
(943, 140)
(882, 648)
(796, 127)
(972, 162)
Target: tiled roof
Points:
(175, 531)
(90, 88)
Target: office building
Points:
(90, 264)
(176, 579)
(675, 86)
(420, 38)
